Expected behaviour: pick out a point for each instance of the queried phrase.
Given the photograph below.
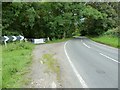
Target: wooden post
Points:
(48, 39)
(5, 43)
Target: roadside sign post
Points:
(48, 39)
(21, 38)
(6, 39)
(11, 38)
(5, 43)
(25, 39)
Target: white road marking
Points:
(97, 44)
(109, 58)
(53, 85)
(86, 45)
(84, 85)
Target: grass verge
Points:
(16, 58)
(108, 40)
(52, 64)
(0, 66)
(58, 40)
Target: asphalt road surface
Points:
(95, 65)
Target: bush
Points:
(18, 46)
(113, 32)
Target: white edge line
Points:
(86, 45)
(104, 45)
(84, 85)
(109, 58)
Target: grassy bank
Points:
(108, 40)
(0, 66)
(58, 40)
(16, 57)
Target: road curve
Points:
(95, 65)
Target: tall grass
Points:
(108, 40)
(58, 40)
(0, 66)
(16, 57)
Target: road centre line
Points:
(103, 54)
(86, 45)
(84, 85)
(109, 57)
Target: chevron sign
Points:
(11, 38)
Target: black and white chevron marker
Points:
(14, 38)
(22, 38)
(6, 38)
(11, 38)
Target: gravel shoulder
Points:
(39, 75)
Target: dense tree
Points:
(58, 20)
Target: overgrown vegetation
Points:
(108, 40)
(52, 64)
(58, 20)
(58, 40)
(16, 58)
(115, 32)
(0, 66)
(110, 37)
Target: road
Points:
(95, 65)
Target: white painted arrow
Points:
(14, 38)
(22, 37)
(6, 38)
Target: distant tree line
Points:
(58, 20)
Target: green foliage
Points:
(58, 40)
(108, 40)
(92, 12)
(15, 59)
(101, 17)
(0, 66)
(76, 33)
(115, 32)
(58, 20)
(17, 46)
